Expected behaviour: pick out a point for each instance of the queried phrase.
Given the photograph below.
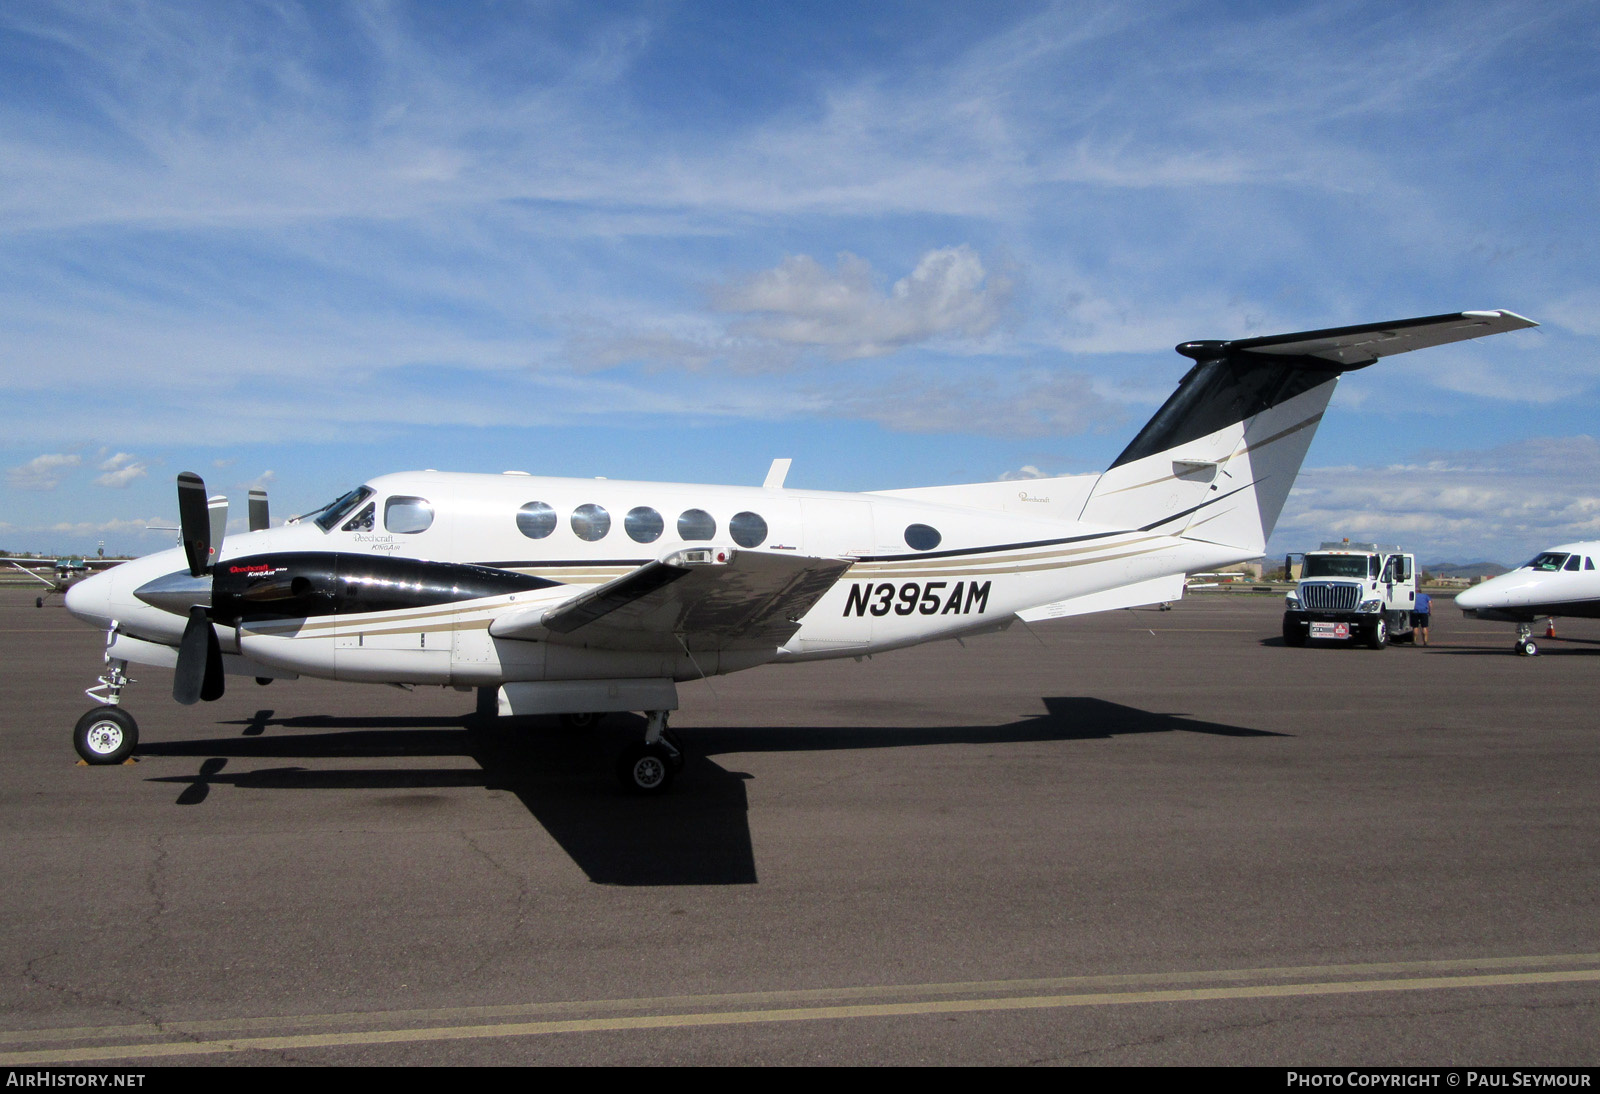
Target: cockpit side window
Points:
(1588, 563)
(1574, 563)
(362, 521)
(407, 515)
(339, 508)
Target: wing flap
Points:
(699, 599)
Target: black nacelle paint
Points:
(304, 584)
(1222, 389)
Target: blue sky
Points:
(903, 244)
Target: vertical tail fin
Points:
(1218, 459)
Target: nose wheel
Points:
(105, 735)
(1524, 646)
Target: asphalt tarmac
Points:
(1136, 838)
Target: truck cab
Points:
(1352, 592)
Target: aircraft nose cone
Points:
(176, 592)
(90, 599)
(1475, 597)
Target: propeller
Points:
(203, 523)
(199, 674)
(258, 510)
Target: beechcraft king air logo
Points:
(921, 598)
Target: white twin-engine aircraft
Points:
(1560, 581)
(582, 596)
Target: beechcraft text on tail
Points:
(581, 596)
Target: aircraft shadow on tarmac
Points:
(698, 835)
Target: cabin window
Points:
(920, 537)
(643, 525)
(748, 529)
(362, 521)
(696, 524)
(590, 522)
(536, 520)
(1573, 563)
(407, 515)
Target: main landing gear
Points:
(650, 766)
(1524, 646)
(107, 734)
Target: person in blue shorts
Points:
(1421, 613)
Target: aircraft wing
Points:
(29, 565)
(1353, 347)
(706, 598)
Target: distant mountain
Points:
(1468, 569)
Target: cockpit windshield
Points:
(1337, 566)
(1547, 562)
(335, 510)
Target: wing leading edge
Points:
(707, 598)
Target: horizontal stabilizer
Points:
(1159, 590)
(1355, 347)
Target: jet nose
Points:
(1475, 597)
(90, 599)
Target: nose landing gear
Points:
(1524, 646)
(107, 734)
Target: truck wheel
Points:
(1293, 633)
(1378, 634)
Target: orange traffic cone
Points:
(1550, 627)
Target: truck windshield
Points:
(1335, 566)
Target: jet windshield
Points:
(1548, 562)
(334, 511)
(1337, 566)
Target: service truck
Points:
(1352, 592)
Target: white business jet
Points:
(1560, 581)
(582, 596)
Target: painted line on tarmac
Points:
(751, 1008)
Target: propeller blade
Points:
(199, 672)
(217, 512)
(258, 510)
(212, 687)
(194, 521)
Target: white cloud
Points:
(42, 472)
(800, 303)
(1499, 504)
(1578, 312)
(1030, 405)
(120, 470)
(1026, 471)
